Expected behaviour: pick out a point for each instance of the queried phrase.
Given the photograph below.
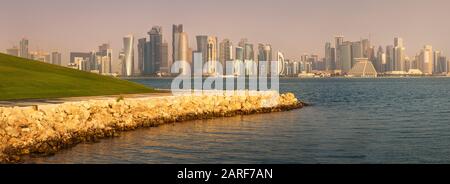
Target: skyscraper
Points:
(380, 64)
(357, 52)
(103, 49)
(106, 62)
(128, 55)
(264, 58)
(202, 46)
(399, 55)
(389, 58)
(212, 55)
(239, 53)
(56, 58)
(239, 59)
(439, 65)
(183, 48)
(81, 63)
(123, 66)
(249, 53)
(225, 53)
(338, 41)
(102, 59)
(249, 57)
(368, 50)
(267, 52)
(23, 52)
(329, 62)
(152, 65)
(398, 42)
(176, 31)
(345, 56)
(443, 64)
(448, 67)
(180, 46)
(165, 64)
(184, 53)
(281, 63)
(142, 55)
(426, 60)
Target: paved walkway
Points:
(31, 102)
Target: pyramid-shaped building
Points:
(363, 68)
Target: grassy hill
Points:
(26, 79)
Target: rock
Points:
(50, 128)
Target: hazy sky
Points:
(292, 26)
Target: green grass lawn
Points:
(26, 79)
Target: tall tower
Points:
(102, 59)
(399, 55)
(248, 57)
(398, 42)
(142, 54)
(225, 53)
(183, 47)
(202, 46)
(249, 53)
(239, 53)
(426, 60)
(328, 57)
(264, 54)
(153, 64)
(128, 55)
(164, 65)
(357, 52)
(366, 51)
(281, 63)
(23, 51)
(338, 41)
(176, 31)
(105, 60)
(182, 51)
(389, 58)
(381, 60)
(345, 56)
(239, 58)
(56, 58)
(212, 55)
(438, 68)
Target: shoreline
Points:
(293, 77)
(49, 101)
(47, 129)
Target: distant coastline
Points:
(293, 77)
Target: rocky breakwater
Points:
(45, 129)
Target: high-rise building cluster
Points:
(97, 61)
(222, 57)
(153, 56)
(341, 57)
(23, 52)
(308, 63)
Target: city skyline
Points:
(297, 37)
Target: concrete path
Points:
(31, 102)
